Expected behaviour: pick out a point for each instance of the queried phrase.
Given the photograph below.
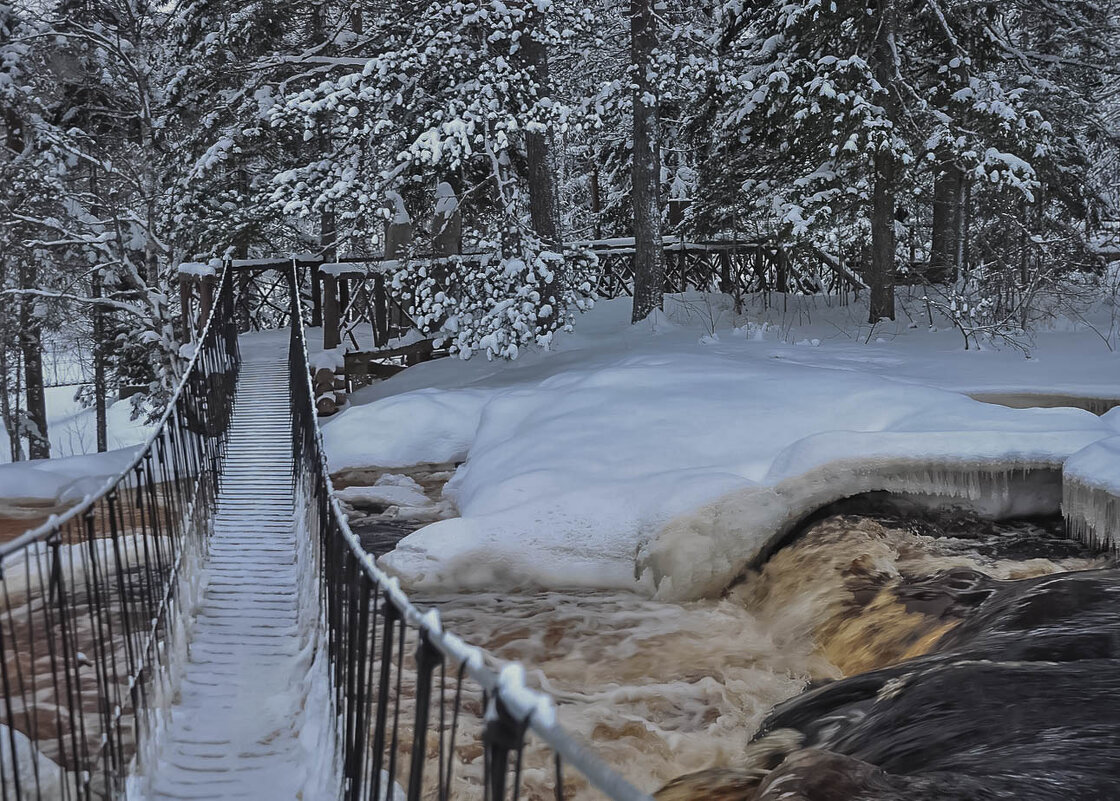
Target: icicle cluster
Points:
(1092, 513)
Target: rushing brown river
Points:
(665, 689)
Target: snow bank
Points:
(38, 776)
(72, 427)
(586, 467)
(62, 481)
(423, 426)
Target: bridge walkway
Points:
(233, 731)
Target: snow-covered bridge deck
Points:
(234, 729)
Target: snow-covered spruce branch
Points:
(103, 301)
(494, 305)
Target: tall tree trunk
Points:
(540, 155)
(544, 205)
(964, 217)
(649, 260)
(944, 261)
(881, 276)
(31, 346)
(11, 425)
(100, 347)
(100, 388)
(596, 202)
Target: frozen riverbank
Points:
(578, 465)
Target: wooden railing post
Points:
(316, 297)
(447, 223)
(331, 321)
(725, 272)
(398, 236)
(186, 296)
(205, 298)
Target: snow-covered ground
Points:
(61, 481)
(76, 467)
(72, 428)
(665, 455)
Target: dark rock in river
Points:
(1020, 701)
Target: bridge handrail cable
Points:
(502, 681)
(51, 524)
(93, 601)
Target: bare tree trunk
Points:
(964, 216)
(540, 155)
(596, 203)
(31, 345)
(99, 385)
(544, 205)
(649, 260)
(944, 261)
(881, 274)
(100, 346)
(11, 425)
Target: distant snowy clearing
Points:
(665, 456)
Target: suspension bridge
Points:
(207, 627)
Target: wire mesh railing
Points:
(91, 601)
(420, 713)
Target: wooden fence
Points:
(355, 304)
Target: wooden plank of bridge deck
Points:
(234, 728)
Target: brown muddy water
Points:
(664, 689)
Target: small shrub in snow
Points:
(498, 304)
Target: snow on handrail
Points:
(534, 708)
(55, 522)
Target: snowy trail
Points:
(234, 727)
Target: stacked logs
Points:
(330, 390)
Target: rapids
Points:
(663, 688)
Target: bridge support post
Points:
(398, 238)
(186, 300)
(205, 298)
(316, 297)
(428, 659)
(331, 320)
(343, 303)
(391, 615)
(502, 734)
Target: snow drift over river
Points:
(587, 467)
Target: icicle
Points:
(1092, 513)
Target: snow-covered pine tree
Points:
(805, 142)
(223, 61)
(454, 93)
(830, 120)
(1017, 123)
(32, 171)
(93, 135)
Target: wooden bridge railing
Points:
(345, 295)
(343, 291)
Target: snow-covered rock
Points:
(382, 496)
